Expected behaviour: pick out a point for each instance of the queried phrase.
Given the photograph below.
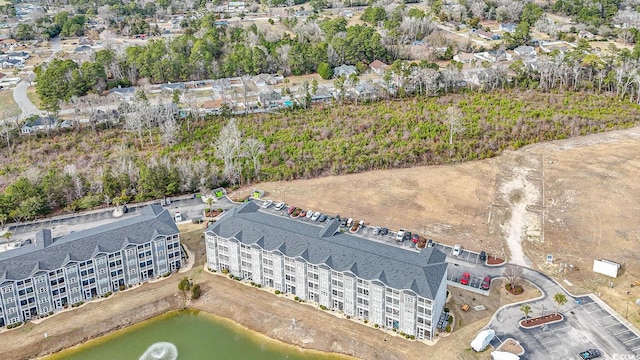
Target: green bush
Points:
(366, 321)
(225, 271)
(376, 326)
(196, 292)
(121, 287)
(450, 320)
(296, 298)
(322, 307)
(277, 292)
(448, 328)
(14, 325)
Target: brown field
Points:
(8, 106)
(585, 188)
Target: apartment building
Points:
(53, 273)
(386, 285)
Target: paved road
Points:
(20, 91)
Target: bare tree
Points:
(228, 149)
(513, 274)
(454, 119)
(254, 148)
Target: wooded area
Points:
(78, 170)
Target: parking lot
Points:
(189, 206)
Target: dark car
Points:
(28, 242)
(483, 256)
(343, 222)
(590, 354)
(407, 236)
(376, 230)
(486, 283)
(430, 243)
(125, 209)
(384, 231)
(322, 218)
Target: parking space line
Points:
(560, 329)
(615, 323)
(630, 340)
(636, 349)
(621, 332)
(550, 342)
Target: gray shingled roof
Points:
(23, 262)
(421, 272)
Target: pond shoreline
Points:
(257, 310)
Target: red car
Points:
(486, 283)
(415, 238)
(464, 280)
(291, 209)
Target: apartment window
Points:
(6, 289)
(44, 300)
(11, 310)
(42, 290)
(9, 300)
(74, 290)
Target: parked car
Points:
(322, 218)
(464, 280)
(456, 250)
(280, 206)
(291, 209)
(415, 238)
(483, 256)
(384, 231)
(315, 216)
(430, 243)
(125, 209)
(303, 213)
(407, 236)
(28, 242)
(400, 235)
(376, 230)
(486, 283)
(349, 222)
(267, 203)
(343, 222)
(177, 216)
(309, 214)
(590, 354)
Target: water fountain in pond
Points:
(160, 351)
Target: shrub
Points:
(225, 271)
(348, 317)
(366, 321)
(14, 325)
(231, 276)
(296, 298)
(196, 292)
(322, 307)
(107, 294)
(122, 287)
(277, 292)
(446, 309)
(376, 326)
(450, 320)
(448, 328)
(412, 337)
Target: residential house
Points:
(126, 94)
(39, 123)
(82, 49)
(236, 6)
(53, 273)
(525, 51)
(584, 34)
(85, 41)
(487, 35)
(385, 285)
(171, 87)
(18, 55)
(508, 27)
(8, 43)
(344, 70)
(493, 56)
(378, 67)
(9, 63)
(561, 46)
(263, 80)
(464, 58)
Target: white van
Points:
(178, 217)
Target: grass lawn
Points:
(7, 104)
(31, 94)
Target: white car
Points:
(267, 204)
(178, 217)
(309, 214)
(280, 206)
(400, 235)
(315, 216)
(456, 250)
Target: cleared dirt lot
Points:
(585, 188)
